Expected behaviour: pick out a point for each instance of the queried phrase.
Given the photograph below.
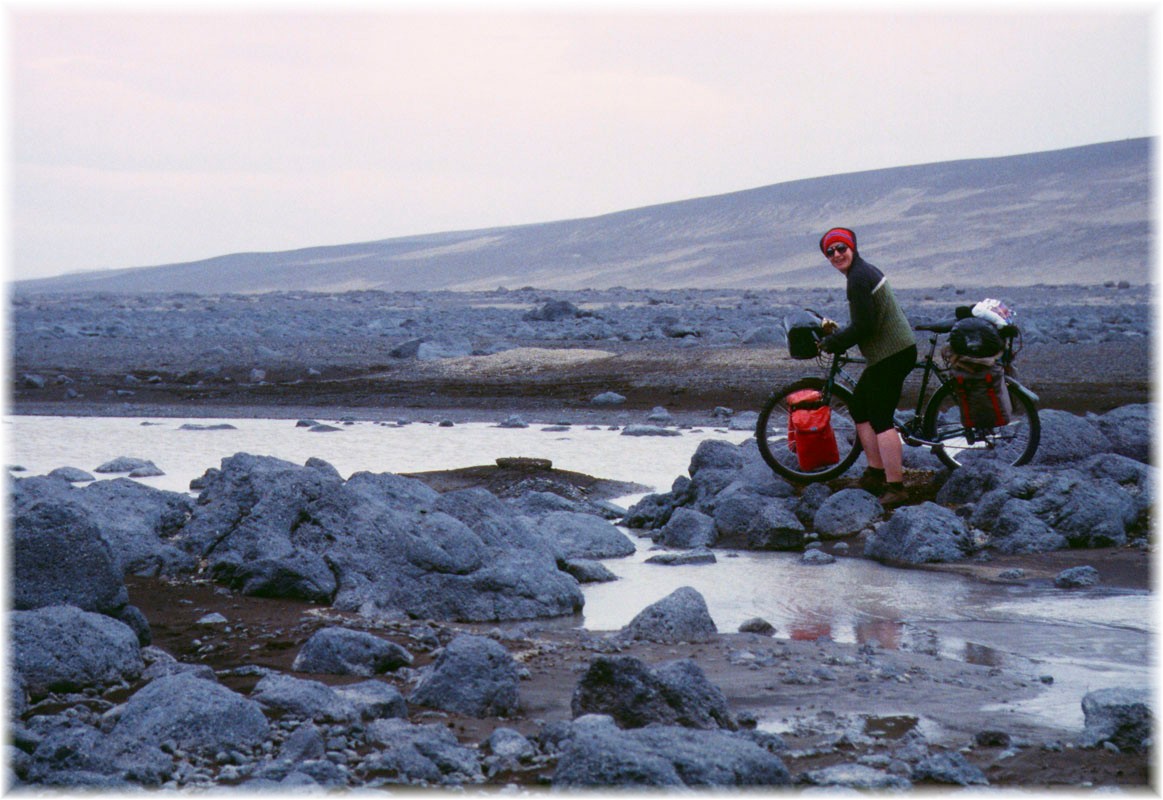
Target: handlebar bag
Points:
(815, 441)
(803, 331)
(981, 391)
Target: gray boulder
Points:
(59, 557)
(845, 513)
(374, 543)
(650, 430)
(687, 528)
(342, 651)
(76, 756)
(419, 754)
(634, 695)
(303, 699)
(775, 527)
(374, 700)
(137, 521)
(71, 474)
(126, 464)
(1077, 578)
(65, 649)
(922, 534)
(715, 454)
(1129, 428)
(192, 714)
(598, 754)
(608, 399)
(697, 555)
(473, 675)
(553, 311)
(1122, 717)
(1066, 438)
(586, 571)
(948, 767)
(577, 535)
(681, 616)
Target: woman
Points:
(885, 338)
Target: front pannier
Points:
(803, 333)
(809, 431)
(975, 337)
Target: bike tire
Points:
(1013, 444)
(771, 433)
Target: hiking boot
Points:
(894, 497)
(872, 480)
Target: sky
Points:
(148, 134)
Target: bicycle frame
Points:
(930, 369)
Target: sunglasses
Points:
(836, 248)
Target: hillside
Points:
(1080, 215)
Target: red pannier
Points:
(809, 430)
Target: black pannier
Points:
(975, 337)
(803, 332)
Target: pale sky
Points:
(143, 135)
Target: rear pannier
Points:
(981, 390)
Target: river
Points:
(1083, 640)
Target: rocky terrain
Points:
(373, 353)
(284, 627)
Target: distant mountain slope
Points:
(1081, 215)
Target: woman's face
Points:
(839, 256)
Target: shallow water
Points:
(1084, 640)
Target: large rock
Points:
(303, 699)
(687, 529)
(921, 534)
(598, 754)
(681, 616)
(342, 651)
(577, 535)
(65, 649)
(473, 675)
(1122, 717)
(378, 543)
(847, 512)
(419, 754)
(634, 695)
(193, 714)
(59, 557)
(1066, 437)
(1129, 430)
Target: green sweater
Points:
(879, 327)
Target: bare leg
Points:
(889, 450)
(871, 444)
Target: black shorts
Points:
(878, 389)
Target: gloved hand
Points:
(829, 345)
(829, 326)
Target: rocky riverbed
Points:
(244, 638)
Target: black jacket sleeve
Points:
(861, 282)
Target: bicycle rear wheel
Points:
(1013, 444)
(772, 426)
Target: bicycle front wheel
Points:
(1014, 443)
(771, 433)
